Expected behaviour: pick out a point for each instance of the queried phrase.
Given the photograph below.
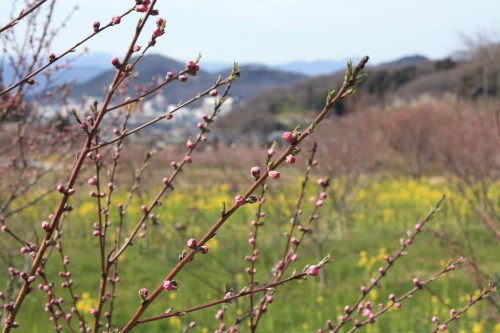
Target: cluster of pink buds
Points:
(96, 232)
(192, 67)
(61, 189)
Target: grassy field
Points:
(378, 215)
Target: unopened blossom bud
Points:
(274, 174)
(416, 282)
(255, 172)
(143, 294)
(322, 182)
(233, 329)
(71, 191)
(270, 152)
(313, 270)
(96, 233)
(111, 186)
(144, 208)
(182, 78)
(165, 180)
(290, 159)
(451, 267)
(60, 188)
(323, 195)
(392, 297)
(169, 75)
(116, 19)
(319, 203)
(141, 8)
(4, 228)
(157, 32)
(251, 240)
(52, 57)
(219, 315)
(45, 225)
(191, 243)
(442, 327)
(397, 305)
(189, 144)
(96, 25)
(453, 312)
(214, 92)
(188, 159)
(92, 181)
(288, 137)
(418, 227)
(239, 200)
(168, 285)
(294, 257)
(115, 62)
(203, 249)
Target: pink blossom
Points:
(313, 270)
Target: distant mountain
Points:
(312, 68)
(254, 79)
(408, 60)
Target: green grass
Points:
(380, 215)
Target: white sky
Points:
(278, 31)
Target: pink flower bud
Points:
(71, 191)
(323, 195)
(274, 174)
(137, 48)
(144, 208)
(239, 199)
(141, 8)
(203, 249)
(188, 159)
(182, 78)
(60, 188)
(313, 270)
(52, 57)
(442, 327)
(290, 159)
(96, 233)
(214, 92)
(288, 137)
(45, 225)
(4, 228)
(191, 243)
(189, 144)
(251, 240)
(168, 285)
(169, 75)
(294, 257)
(319, 203)
(115, 62)
(92, 181)
(96, 25)
(116, 19)
(270, 152)
(255, 171)
(157, 32)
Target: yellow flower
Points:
(477, 328)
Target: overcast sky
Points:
(278, 31)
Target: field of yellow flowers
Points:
(358, 231)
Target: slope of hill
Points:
(254, 79)
(404, 78)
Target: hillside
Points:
(254, 79)
(404, 78)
